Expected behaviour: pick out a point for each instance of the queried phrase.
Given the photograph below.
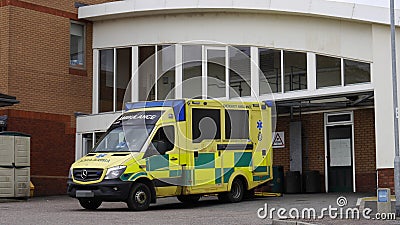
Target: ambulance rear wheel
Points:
(89, 203)
(188, 199)
(139, 197)
(235, 194)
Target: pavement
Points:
(65, 210)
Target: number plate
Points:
(84, 194)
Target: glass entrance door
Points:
(340, 158)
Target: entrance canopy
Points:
(326, 102)
(7, 100)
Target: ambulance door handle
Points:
(173, 158)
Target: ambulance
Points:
(183, 148)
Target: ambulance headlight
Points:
(115, 172)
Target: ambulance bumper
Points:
(107, 190)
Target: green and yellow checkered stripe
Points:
(208, 168)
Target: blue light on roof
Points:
(177, 105)
(269, 103)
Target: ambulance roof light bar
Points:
(177, 105)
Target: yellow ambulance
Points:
(182, 148)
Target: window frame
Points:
(83, 67)
(99, 80)
(350, 113)
(261, 73)
(341, 68)
(283, 64)
(344, 72)
(310, 81)
(205, 75)
(230, 72)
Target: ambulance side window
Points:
(237, 124)
(162, 142)
(206, 124)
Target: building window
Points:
(165, 72)
(328, 71)
(113, 82)
(215, 67)
(205, 70)
(295, 70)
(339, 118)
(356, 72)
(77, 45)
(239, 72)
(147, 62)
(192, 71)
(123, 76)
(106, 81)
(270, 66)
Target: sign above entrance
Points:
(278, 139)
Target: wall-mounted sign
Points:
(383, 194)
(278, 139)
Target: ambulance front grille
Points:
(87, 174)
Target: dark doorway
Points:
(340, 158)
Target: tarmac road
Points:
(65, 210)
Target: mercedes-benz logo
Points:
(84, 174)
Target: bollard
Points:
(384, 204)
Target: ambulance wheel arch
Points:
(237, 191)
(238, 175)
(146, 181)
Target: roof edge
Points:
(323, 8)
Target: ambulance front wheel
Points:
(235, 194)
(139, 197)
(90, 203)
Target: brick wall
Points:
(365, 150)
(386, 178)
(4, 45)
(34, 67)
(313, 140)
(40, 76)
(35, 38)
(65, 5)
(52, 148)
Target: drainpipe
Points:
(395, 108)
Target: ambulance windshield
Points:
(129, 132)
(124, 139)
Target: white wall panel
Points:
(304, 33)
(384, 133)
